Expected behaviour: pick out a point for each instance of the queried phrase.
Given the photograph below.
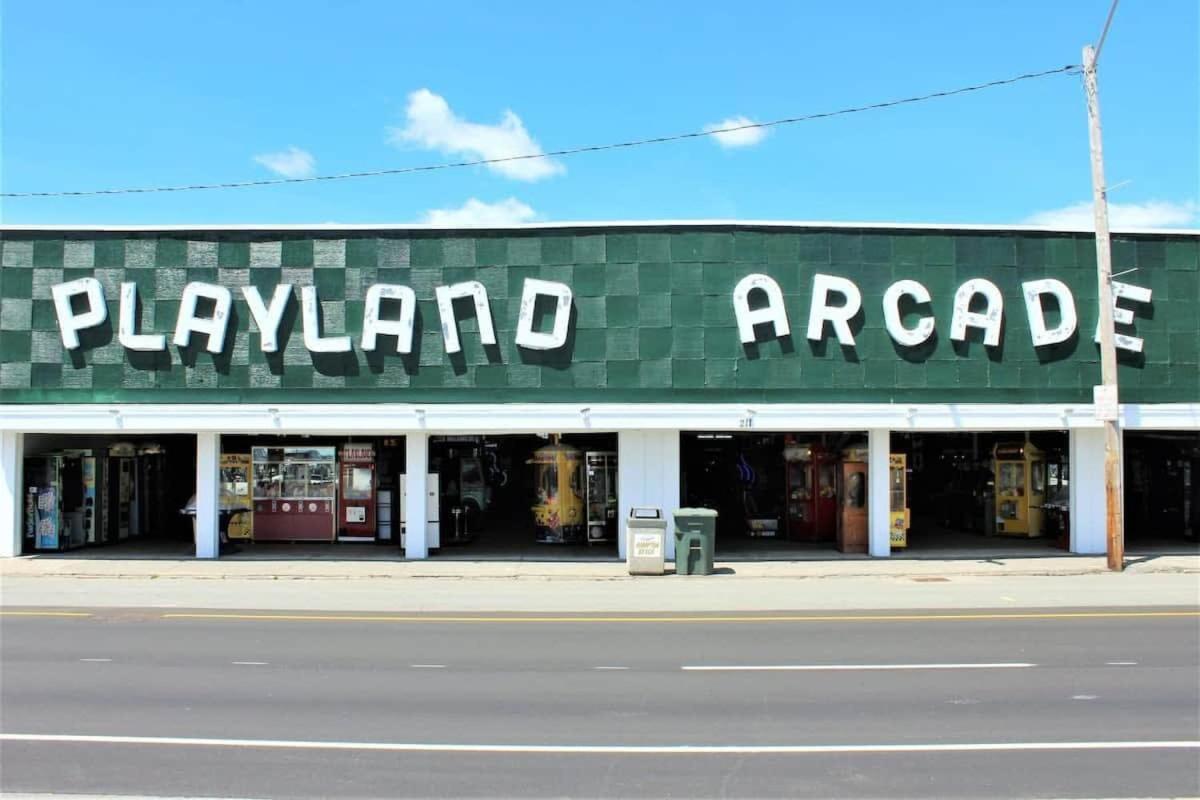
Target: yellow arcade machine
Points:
(898, 516)
(235, 493)
(1020, 471)
(558, 474)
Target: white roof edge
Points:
(665, 223)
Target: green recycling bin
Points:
(695, 540)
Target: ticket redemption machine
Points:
(356, 507)
(812, 497)
(852, 528)
(293, 493)
(235, 494)
(1020, 472)
(898, 514)
(558, 513)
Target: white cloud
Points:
(1151, 214)
(290, 163)
(478, 213)
(432, 124)
(746, 137)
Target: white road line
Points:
(1120, 663)
(587, 749)
(610, 668)
(427, 666)
(96, 660)
(249, 663)
(844, 667)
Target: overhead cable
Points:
(1070, 68)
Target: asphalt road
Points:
(1092, 703)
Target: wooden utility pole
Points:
(1105, 398)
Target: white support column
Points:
(12, 492)
(1086, 471)
(416, 468)
(647, 475)
(879, 446)
(208, 477)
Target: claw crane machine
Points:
(1020, 471)
(812, 501)
(601, 496)
(235, 493)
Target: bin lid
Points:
(645, 513)
(695, 512)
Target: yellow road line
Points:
(5, 613)
(674, 619)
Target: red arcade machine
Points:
(812, 505)
(356, 516)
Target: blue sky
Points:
(101, 95)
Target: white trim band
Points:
(587, 749)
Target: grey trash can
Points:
(646, 541)
(695, 540)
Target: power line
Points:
(1070, 68)
(1104, 33)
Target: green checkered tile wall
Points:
(652, 318)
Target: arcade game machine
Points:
(1020, 474)
(601, 496)
(357, 514)
(235, 494)
(852, 516)
(119, 486)
(812, 502)
(898, 515)
(1056, 510)
(54, 502)
(293, 493)
(558, 513)
(151, 494)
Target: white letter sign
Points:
(215, 326)
(989, 319)
(446, 295)
(1124, 316)
(773, 312)
(820, 311)
(1037, 319)
(268, 318)
(127, 325)
(71, 323)
(314, 342)
(401, 328)
(526, 337)
(909, 337)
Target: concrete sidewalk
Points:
(584, 587)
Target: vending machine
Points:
(82, 516)
(812, 501)
(558, 513)
(356, 514)
(1020, 489)
(293, 493)
(235, 494)
(601, 496)
(852, 513)
(898, 516)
